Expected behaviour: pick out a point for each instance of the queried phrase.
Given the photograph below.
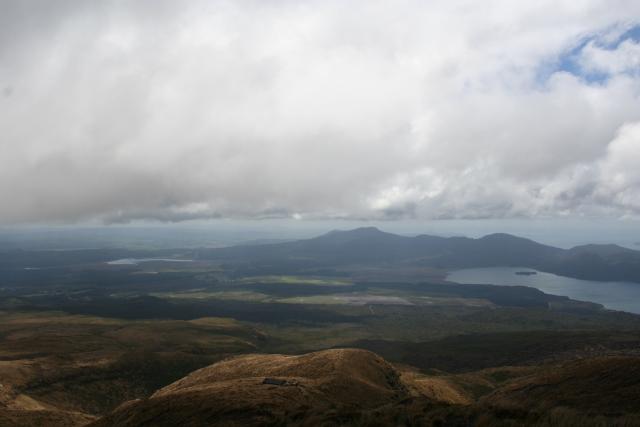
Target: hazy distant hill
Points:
(370, 245)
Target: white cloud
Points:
(175, 110)
(619, 179)
(625, 58)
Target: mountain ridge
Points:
(369, 245)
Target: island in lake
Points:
(526, 273)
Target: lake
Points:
(623, 296)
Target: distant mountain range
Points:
(370, 245)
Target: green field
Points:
(297, 280)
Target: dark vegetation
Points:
(465, 353)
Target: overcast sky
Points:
(140, 110)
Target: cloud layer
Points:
(319, 109)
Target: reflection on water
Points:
(613, 295)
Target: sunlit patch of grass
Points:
(297, 280)
(471, 302)
(314, 299)
(223, 322)
(221, 295)
(195, 269)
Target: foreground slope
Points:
(357, 387)
(307, 389)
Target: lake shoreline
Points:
(618, 296)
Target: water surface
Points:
(623, 296)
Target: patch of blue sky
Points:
(633, 33)
(569, 60)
